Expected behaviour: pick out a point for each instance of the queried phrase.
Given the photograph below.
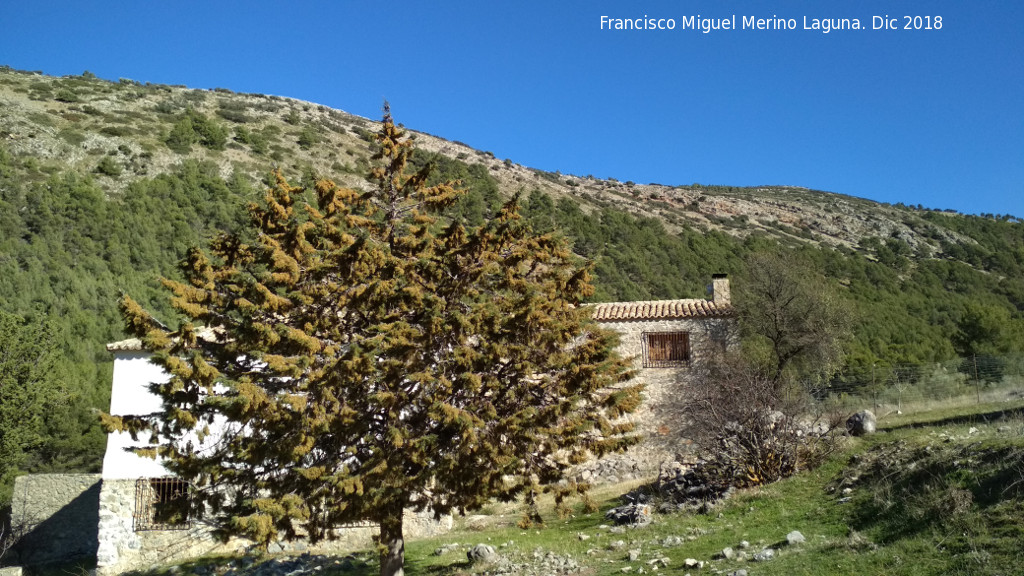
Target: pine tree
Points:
(29, 388)
(369, 356)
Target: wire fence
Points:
(919, 387)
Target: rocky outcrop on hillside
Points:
(118, 131)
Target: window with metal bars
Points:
(666, 349)
(161, 504)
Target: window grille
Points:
(666, 349)
(161, 504)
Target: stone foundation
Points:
(122, 548)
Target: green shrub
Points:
(167, 107)
(65, 95)
(336, 128)
(182, 137)
(109, 167)
(271, 107)
(257, 141)
(308, 138)
(233, 115)
(115, 131)
(363, 134)
(72, 137)
(210, 133)
(196, 128)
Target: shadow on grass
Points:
(961, 419)
(419, 566)
(358, 564)
(951, 492)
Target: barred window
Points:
(666, 349)
(161, 504)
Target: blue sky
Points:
(932, 117)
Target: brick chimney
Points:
(720, 290)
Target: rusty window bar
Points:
(666, 349)
(161, 504)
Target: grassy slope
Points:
(927, 495)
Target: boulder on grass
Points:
(484, 553)
(861, 423)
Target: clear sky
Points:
(932, 117)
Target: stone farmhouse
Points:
(669, 342)
(667, 339)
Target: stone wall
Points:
(658, 418)
(121, 548)
(58, 514)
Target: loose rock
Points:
(861, 423)
(482, 553)
(670, 541)
(446, 549)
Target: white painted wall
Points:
(130, 396)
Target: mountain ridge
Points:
(75, 119)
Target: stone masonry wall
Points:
(658, 418)
(121, 548)
(58, 515)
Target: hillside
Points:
(75, 122)
(104, 185)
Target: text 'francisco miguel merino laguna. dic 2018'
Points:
(823, 25)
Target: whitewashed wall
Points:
(130, 395)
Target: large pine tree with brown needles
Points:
(363, 354)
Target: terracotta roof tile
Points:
(659, 310)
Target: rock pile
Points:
(688, 484)
(637, 514)
(610, 470)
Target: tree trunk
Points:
(392, 545)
